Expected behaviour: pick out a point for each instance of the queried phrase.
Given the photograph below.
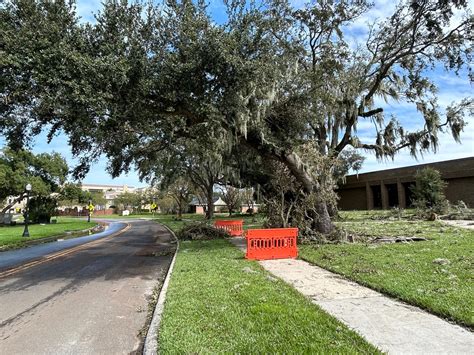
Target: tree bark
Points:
(332, 210)
(210, 203)
(180, 209)
(323, 223)
(293, 162)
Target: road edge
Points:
(150, 346)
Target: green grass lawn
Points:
(219, 302)
(11, 236)
(407, 271)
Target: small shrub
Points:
(41, 209)
(200, 231)
(429, 193)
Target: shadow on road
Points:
(94, 300)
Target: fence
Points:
(234, 228)
(275, 243)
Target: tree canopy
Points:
(282, 85)
(127, 200)
(45, 172)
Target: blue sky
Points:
(451, 89)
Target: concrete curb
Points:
(151, 340)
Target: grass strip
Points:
(437, 275)
(11, 236)
(218, 302)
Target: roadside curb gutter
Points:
(151, 340)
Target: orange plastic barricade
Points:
(276, 243)
(234, 228)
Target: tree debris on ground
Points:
(441, 261)
(399, 239)
(200, 231)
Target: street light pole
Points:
(26, 232)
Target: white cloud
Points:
(382, 9)
(448, 149)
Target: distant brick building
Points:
(389, 188)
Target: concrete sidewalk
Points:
(391, 325)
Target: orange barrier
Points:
(234, 228)
(276, 243)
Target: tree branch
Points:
(371, 112)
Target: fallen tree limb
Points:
(399, 239)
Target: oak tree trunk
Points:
(180, 209)
(323, 223)
(210, 203)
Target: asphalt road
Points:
(12, 258)
(91, 301)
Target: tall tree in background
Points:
(127, 200)
(72, 195)
(96, 197)
(205, 174)
(232, 198)
(198, 160)
(283, 83)
(181, 192)
(247, 196)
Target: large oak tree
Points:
(283, 83)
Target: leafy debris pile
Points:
(200, 231)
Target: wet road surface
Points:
(92, 301)
(12, 258)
